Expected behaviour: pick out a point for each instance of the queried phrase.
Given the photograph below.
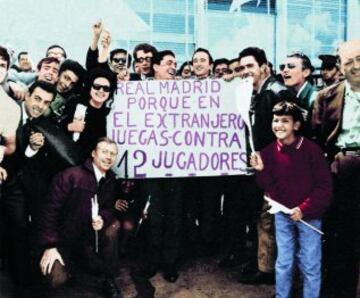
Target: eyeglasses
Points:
(288, 65)
(119, 60)
(104, 88)
(221, 70)
(142, 59)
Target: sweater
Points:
(297, 175)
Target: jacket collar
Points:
(337, 93)
(88, 165)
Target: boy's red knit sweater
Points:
(297, 175)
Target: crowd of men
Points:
(50, 176)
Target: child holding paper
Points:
(293, 171)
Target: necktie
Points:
(100, 184)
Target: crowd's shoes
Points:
(232, 260)
(256, 278)
(149, 270)
(170, 273)
(143, 287)
(110, 288)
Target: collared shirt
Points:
(349, 136)
(263, 83)
(98, 173)
(303, 97)
(302, 88)
(294, 145)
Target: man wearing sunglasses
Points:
(143, 55)
(296, 72)
(119, 59)
(336, 122)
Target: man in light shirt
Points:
(336, 121)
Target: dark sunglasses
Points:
(288, 65)
(141, 60)
(104, 88)
(119, 60)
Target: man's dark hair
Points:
(5, 55)
(77, 69)
(287, 108)
(258, 54)
(160, 56)
(48, 87)
(220, 61)
(105, 140)
(121, 51)
(47, 60)
(56, 46)
(233, 60)
(186, 63)
(211, 60)
(306, 63)
(144, 47)
(22, 53)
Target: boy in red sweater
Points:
(293, 171)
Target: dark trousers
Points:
(103, 264)
(342, 228)
(17, 231)
(165, 220)
(242, 202)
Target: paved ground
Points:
(198, 279)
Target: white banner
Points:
(178, 128)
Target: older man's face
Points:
(349, 53)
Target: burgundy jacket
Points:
(66, 216)
(297, 176)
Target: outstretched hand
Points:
(97, 28)
(48, 259)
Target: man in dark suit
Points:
(29, 170)
(336, 121)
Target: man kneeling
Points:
(70, 231)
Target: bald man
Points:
(336, 120)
